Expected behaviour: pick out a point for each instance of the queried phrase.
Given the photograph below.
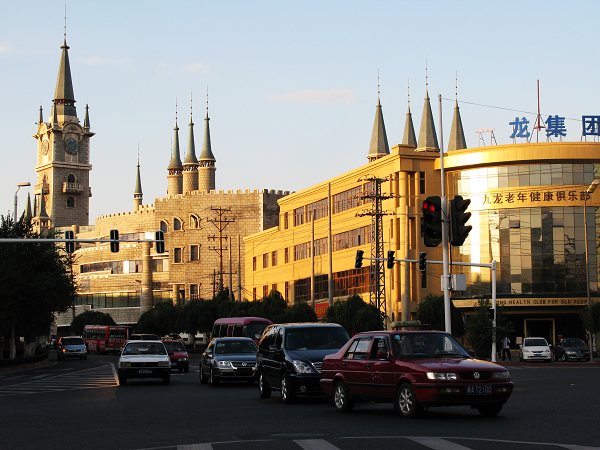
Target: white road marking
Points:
(315, 444)
(437, 443)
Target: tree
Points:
(479, 328)
(431, 312)
(300, 312)
(90, 318)
(159, 320)
(355, 315)
(272, 307)
(35, 280)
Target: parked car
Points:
(178, 355)
(71, 347)
(571, 349)
(535, 349)
(413, 370)
(228, 359)
(290, 357)
(144, 337)
(144, 359)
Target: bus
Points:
(251, 327)
(105, 338)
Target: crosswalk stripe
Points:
(437, 443)
(195, 447)
(315, 444)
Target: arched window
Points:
(176, 224)
(70, 202)
(194, 221)
(70, 178)
(163, 226)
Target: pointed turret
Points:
(427, 136)
(41, 118)
(137, 191)
(41, 221)
(409, 138)
(86, 120)
(64, 98)
(175, 167)
(28, 214)
(190, 165)
(379, 143)
(206, 162)
(457, 134)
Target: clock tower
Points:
(63, 157)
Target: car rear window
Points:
(315, 338)
(175, 346)
(144, 348)
(534, 342)
(72, 341)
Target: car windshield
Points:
(235, 346)
(144, 348)
(535, 342)
(72, 341)
(254, 329)
(315, 338)
(427, 345)
(573, 342)
(174, 346)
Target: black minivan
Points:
(290, 357)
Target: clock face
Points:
(71, 146)
(45, 146)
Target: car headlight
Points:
(504, 376)
(442, 376)
(303, 367)
(164, 363)
(224, 365)
(125, 364)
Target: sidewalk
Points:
(514, 361)
(25, 366)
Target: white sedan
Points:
(535, 349)
(144, 359)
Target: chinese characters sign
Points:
(555, 127)
(524, 197)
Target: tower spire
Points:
(409, 137)
(427, 136)
(379, 144)
(137, 191)
(175, 167)
(64, 98)
(206, 162)
(457, 134)
(86, 120)
(190, 165)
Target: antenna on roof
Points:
(538, 121)
(481, 132)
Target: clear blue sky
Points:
(292, 85)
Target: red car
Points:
(177, 354)
(413, 370)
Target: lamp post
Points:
(590, 190)
(19, 186)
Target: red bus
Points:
(251, 327)
(105, 338)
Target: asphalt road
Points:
(78, 405)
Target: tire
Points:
(186, 369)
(203, 378)
(166, 379)
(562, 357)
(264, 390)
(212, 379)
(341, 398)
(406, 402)
(181, 370)
(490, 410)
(122, 380)
(287, 396)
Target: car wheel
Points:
(406, 402)
(122, 380)
(264, 390)
(490, 410)
(213, 379)
(166, 379)
(287, 396)
(563, 357)
(181, 370)
(203, 378)
(521, 358)
(186, 369)
(341, 398)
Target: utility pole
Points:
(377, 272)
(220, 223)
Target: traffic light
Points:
(390, 259)
(160, 241)
(422, 261)
(69, 244)
(491, 314)
(114, 241)
(431, 224)
(458, 218)
(359, 259)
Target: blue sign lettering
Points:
(519, 128)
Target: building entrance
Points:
(545, 328)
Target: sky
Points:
(292, 85)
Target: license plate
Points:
(483, 389)
(144, 371)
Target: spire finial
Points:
(138, 155)
(378, 85)
(176, 112)
(207, 101)
(191, 106)
(426, 77)
(408, 91)
(65, 31)
(456, 86)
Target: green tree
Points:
(272, 307)
(355, 315)
(90, 317)
(479, 328)
(591, 318)
(159, 320)
(35, 280)
(431, 312)
(300, 312)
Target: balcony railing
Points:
(72, 188)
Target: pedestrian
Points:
(505, 348)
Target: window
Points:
(274, 287)
(319, 209)
(286, 294)
(70, 178)
(358, 349)
(265, 260)
(163, 226)
(274, 258)
(265, 291)
(287, 255)
(286, 221)
(177, 253)
(253, 293)
(194, 292)
(299, 216)
(194, 253)
(70, 202)
(421, 182)
(177, 224)
(254, 263)
(194, 221)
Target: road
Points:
(78, 405)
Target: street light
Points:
(590, 190)
(19, 186)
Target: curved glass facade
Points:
(539, 250)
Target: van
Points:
(251, 327)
